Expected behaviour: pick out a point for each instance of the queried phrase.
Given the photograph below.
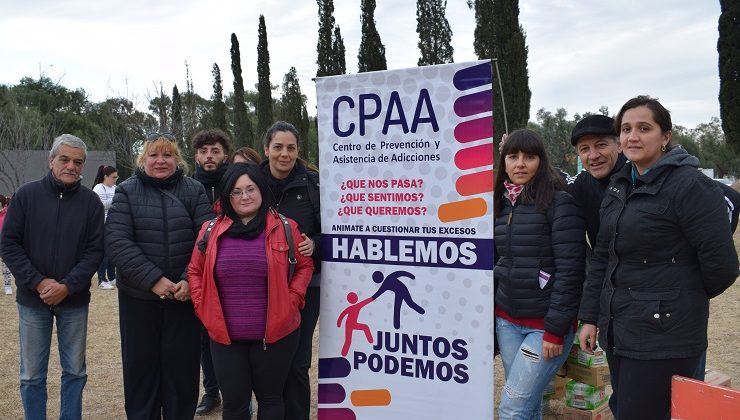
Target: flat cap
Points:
(593, 124)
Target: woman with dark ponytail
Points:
(105, 187)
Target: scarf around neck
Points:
(513, 190)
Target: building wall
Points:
(20, 167)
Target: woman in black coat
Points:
(663, 250)
(149, 235)
(540, 246)
(294, 192)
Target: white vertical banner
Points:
(406, 161)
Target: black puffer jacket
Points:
(297, 197)
(664, 248)
(148, 234)
(527, 241)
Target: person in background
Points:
(538, 232)
(246, 155)
(246, 295)
(293, 190)
(52, 241)
(151, 229)
(105, 187)
(212, 149)
(7, 285)
(664, 248)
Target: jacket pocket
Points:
(657, 311)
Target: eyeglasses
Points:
(249, 192)
(156, 136)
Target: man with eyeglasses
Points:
(52, 241)
(212, 149)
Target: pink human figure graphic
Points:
(352, 312)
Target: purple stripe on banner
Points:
(470, 253)
(475, 103)
(336, 414)
(471, 77)
(331, 393)
(477, 129)
(334, 367)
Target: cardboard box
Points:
(579, 356)
(555, 390)
(715, 377)
(584, 396)
(576, 355)
(600, 413)
(597, 376)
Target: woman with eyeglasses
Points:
(149, 235)
(105, 187)
(247, 295)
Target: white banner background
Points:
(419, 219)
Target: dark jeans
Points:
(159, 345)
(246, 366)
(701, 367)
(297, 393)
(210, 383)
(106, 265)
(642, 388)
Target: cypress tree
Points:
(503, 38)
(372, 51)
(340, 65)
(293, 107)
(264, 89)
(728, 47)
(177, 115)
(242, 125)
(435, 34)
(324, 57)
(218, 118)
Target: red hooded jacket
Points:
(284, 296)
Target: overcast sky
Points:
(582, 53)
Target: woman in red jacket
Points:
(242, 293)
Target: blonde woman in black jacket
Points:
(149, 234)
(540, 244)
(663, 250)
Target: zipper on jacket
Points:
(213, 195)
(166, 238)
(264, 344)
(508, 240)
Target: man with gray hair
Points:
(52, 241)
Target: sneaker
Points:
(105, 285)
(207, 404)
(8, 290)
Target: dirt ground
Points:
(103, 396)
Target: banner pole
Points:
(501, 91)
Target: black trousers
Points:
(160, 355)
(246, 366)
(297, 392)
(642, 388)
(210, 383)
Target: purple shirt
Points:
(241, 279)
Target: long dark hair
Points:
(254, 172)
(540, 190)
(103, 171)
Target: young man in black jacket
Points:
(52, 241)
(212, 149)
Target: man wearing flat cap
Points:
(598, 147)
